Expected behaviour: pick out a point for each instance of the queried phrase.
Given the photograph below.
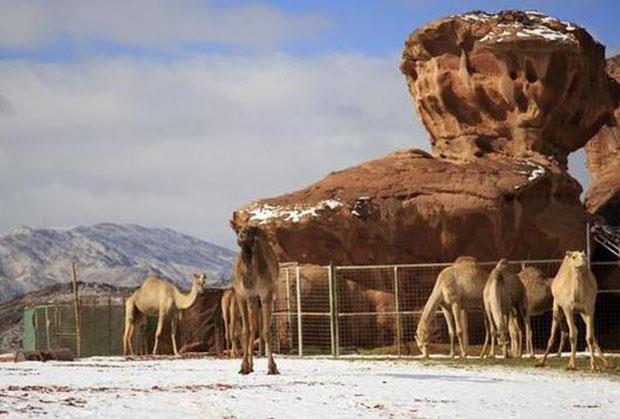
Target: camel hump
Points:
(466, 259)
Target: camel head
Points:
(246, 236)
(502, 264)
(421, 339)
(199, 281)
(577, 258)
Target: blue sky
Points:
(174, 113)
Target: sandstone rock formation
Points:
(603, 158)
(505, 98)
(410, 207)
(514, 83)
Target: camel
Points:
(158, 298)
(458, 288)
(504, 297)
(255, 275)
(539, 301)
(574, 291)
(229, 314)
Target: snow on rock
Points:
(533, 172)
(266, 212)
(306, 388)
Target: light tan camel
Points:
(230, 316)
(504, 297)
(539, 301)
(255, 275)
(574, 291)
(158, 298)
(458, 288)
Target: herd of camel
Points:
(508, 300)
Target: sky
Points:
(174, 113)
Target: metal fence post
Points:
(300, 340)
(588, 245)
(336, 312)
(289, 314)
(397, 309)
(332, 312)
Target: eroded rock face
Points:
(513, 83)
(603, 160)
(411, 207)
(505, 98)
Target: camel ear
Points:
(234, 226)
(568, 253)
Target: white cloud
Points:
(37, 23)
(183, 144)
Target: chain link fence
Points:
(374, 310)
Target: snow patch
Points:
(267, 212)
(534, 171)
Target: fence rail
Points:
(336, 310)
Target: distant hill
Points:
(120, 255)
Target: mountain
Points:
(120, 255)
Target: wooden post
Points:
(78, 311)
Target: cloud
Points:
(184, 143)
(39, 23)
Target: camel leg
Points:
(563, 338)
(252, 312)
(557, 317)
(227, 324)
(129, 327)
(502, 333)
(456, 312)
(572, 338)
(450, 325)
(160, 327)
(266, 332)
(492, 334)
(465, 328)
(233, 316)
(245, 322)
(593, 345)
(529, 338)
(486, 335)
(173, 333)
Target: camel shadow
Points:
(443, 377)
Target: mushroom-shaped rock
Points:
(512, 83)
(603, 159)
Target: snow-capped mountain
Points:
(121, 255)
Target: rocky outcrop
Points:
(411, 207)
(505, 98)
(514, 83)
(603, 160)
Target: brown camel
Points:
(504, 297)
(255, 275)
(458, 288)
(574, 291)
(230, 316)
(539, 301)
(158, 298)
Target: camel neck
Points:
(429, 308)
(185, 301)
(246, 254)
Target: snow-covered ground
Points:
(308, 388)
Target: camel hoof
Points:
(273, 371)
(570, 368)
(539, 364)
